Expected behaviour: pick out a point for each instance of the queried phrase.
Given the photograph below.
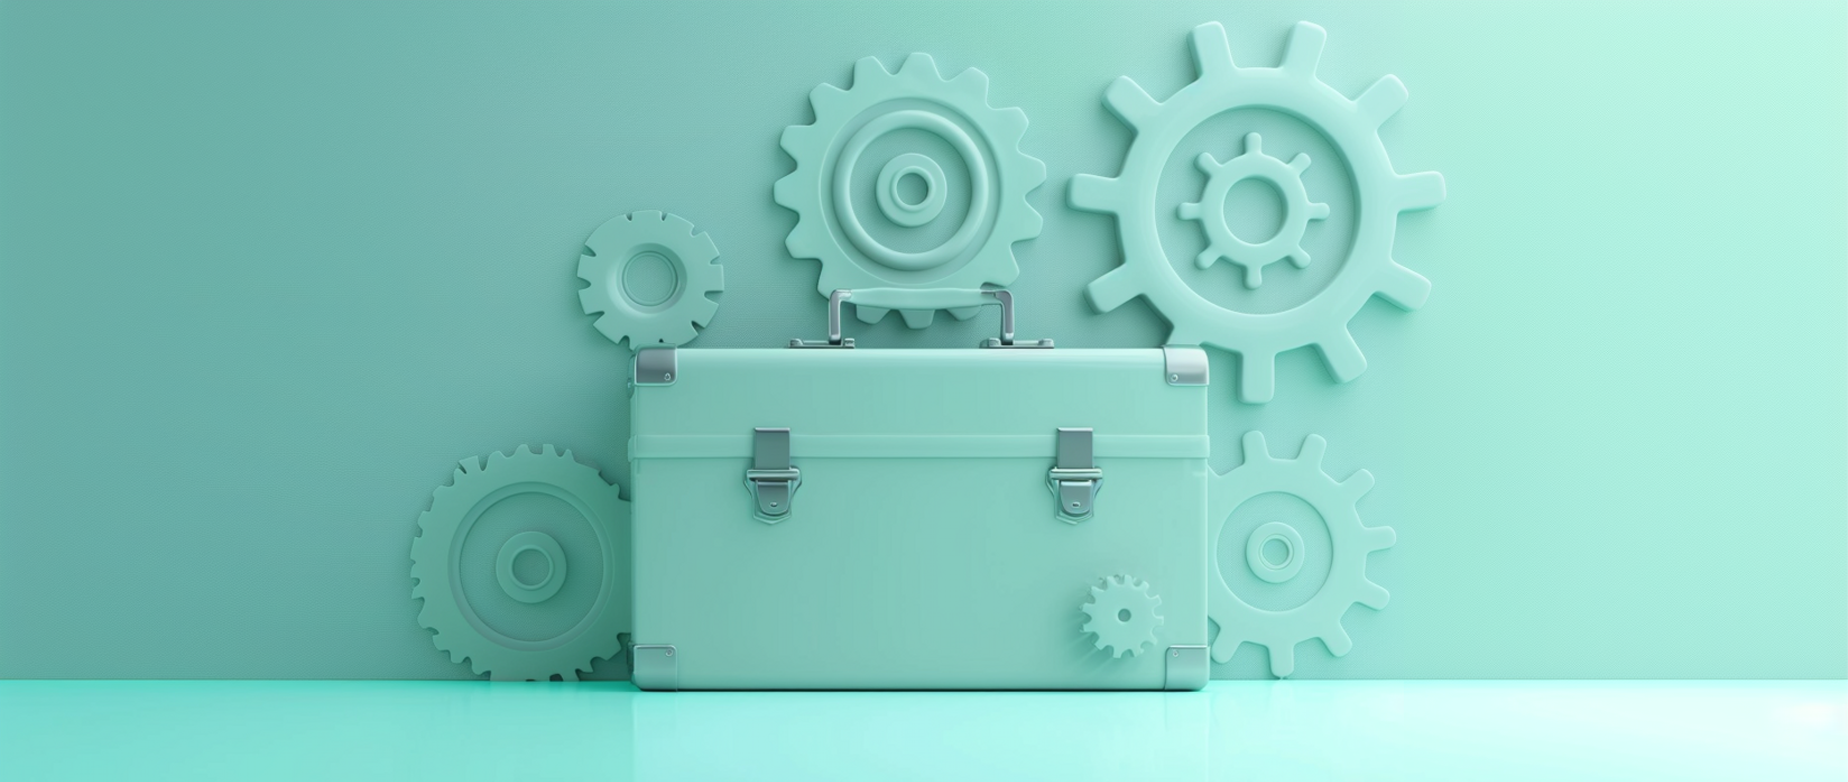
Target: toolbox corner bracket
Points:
(656, 366)
(1188, 669)
(656, 668)
(1184, 366)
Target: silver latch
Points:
(772, 481)
(1074, 478)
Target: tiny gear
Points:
(857, 131)
(650, 276)
(1124, 615)
(566, 607)
(1346, 584)
(1381, 193)
(1211, 210)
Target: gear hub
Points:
(1287, 178)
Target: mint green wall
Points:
(268, 271)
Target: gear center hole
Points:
(912, 188)
(532, 568)
(1276, 552)
(1254, 210)
(649, 278)
(1123, 615)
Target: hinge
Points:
(1075, 479)
(771, 479)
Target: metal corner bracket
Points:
(1184, 366)
(655, 667)
(656, 366)
(1188, 668)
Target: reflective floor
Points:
(1234, 730)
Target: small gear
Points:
(1347, 583)
(1211, 210)
(857, 130)
(650, 274)
(1123, 615)
(565, 607)
(1380, 195)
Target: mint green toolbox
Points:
(832, 517)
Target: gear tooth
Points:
(913, 64)
(827, 98)
(964, 313)
(1303, 52)
(918, 319)
(1315, 447)
(676, 334)
(1096, 194)
(1318, 211)
(1378, 538)
(1254, 144)
(547, 450)
(797, 139)
(1254, 273)
(1212, 55)
(1337, 640)
(592, 300)
(972, 81)
(869, 314)
(1282, 659)
(1224, 646)
(1299, 259)
(869, 70)
(1419, 191)
(1342, 355)
(1382, 100)
(1112, 290)
(1011, 124)
(646, 216)
(523, 450)
(1373, 596)
(1405, 288)
(1357, 486)
(471, 464)
(1300, 163)
(1257, 376)
(680, 226)
(1207, 163)
(1131, 104)
(1256, 450)
(1188, 211)
(806, 240)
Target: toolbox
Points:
(1014, 516)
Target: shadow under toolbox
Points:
(920, 519)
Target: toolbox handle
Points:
(921, 298)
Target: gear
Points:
(650, 275)
(979, 149)
(1123, 615)
(524, 623)
(1347, 583)
(1380, 195)
(1211, 210)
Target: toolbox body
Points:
(919, 533)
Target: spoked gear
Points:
(550, 622)
(831, 226)
(1211, 210)
(1380, 195)
(1347, 583)
(1124, 615)
(650, 274)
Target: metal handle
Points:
(921, 298)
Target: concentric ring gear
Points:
(1351, 542)
(1124, 615)
(1210, 210)
(437, 567)
(1380, 195)
(650, 276)
(831, 224)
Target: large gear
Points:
(650, 275)
(832, 222)
(1124, 615)
(1380, 195)
(1351, 542)
(552, 621)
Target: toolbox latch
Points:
(771, 479)
(1075, 479)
